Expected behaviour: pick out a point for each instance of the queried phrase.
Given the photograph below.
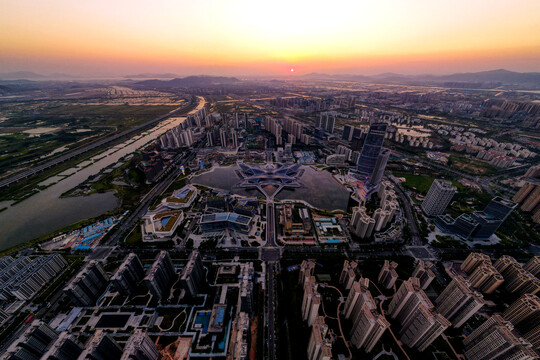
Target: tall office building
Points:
(424, 273)
(193, 274)
(160, 275)
(423, 327)
(438, 197)
(348, 274)
(101, 347)
(388, 275)
(487, 222)
(89, 283)
(371, 149)
(128, 275)
(380, 165)
(320, 345)
(496, 340)
(140, 347)
(458, 302)
(473, 261)
(524, 313)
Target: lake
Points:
(320, 189)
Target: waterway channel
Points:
(46, 212)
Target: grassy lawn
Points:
(419, 183)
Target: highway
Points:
(411, 219)
(72, 154)
(163, 184)
(270, 317)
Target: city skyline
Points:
(246, 39)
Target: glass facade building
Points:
(371, 149)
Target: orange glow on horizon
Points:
(246, 37)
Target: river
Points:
(46, 212)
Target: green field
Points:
(419, 183)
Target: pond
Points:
(320, 189)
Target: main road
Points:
(72, 154)
(409, 214)
(163, 183)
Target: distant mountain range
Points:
(492, 77)
(29, 75)
(190, 81)
(152, 76)
(483, 79)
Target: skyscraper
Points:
(88, 284)
(223, 137)
(408, 297)
(311, 301)
(473, 261)
(358, 296)
(496, 340)
(306, 270)
(371, 149)
(486, 278)
(368, 327)
(524, 313)
(424, 273)
(438, 197)
(101, 346)
(457, 303)
(128, 275)
(65, 347)
(533, 265)
(347, 132)
(160, 275)
(234, 137)
(380, 165)
(423, 327)
(348, 274)
(388, 274)
(140, 347)
(320, 345)
(361, 225)
(192, 275)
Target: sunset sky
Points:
(256, 37)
